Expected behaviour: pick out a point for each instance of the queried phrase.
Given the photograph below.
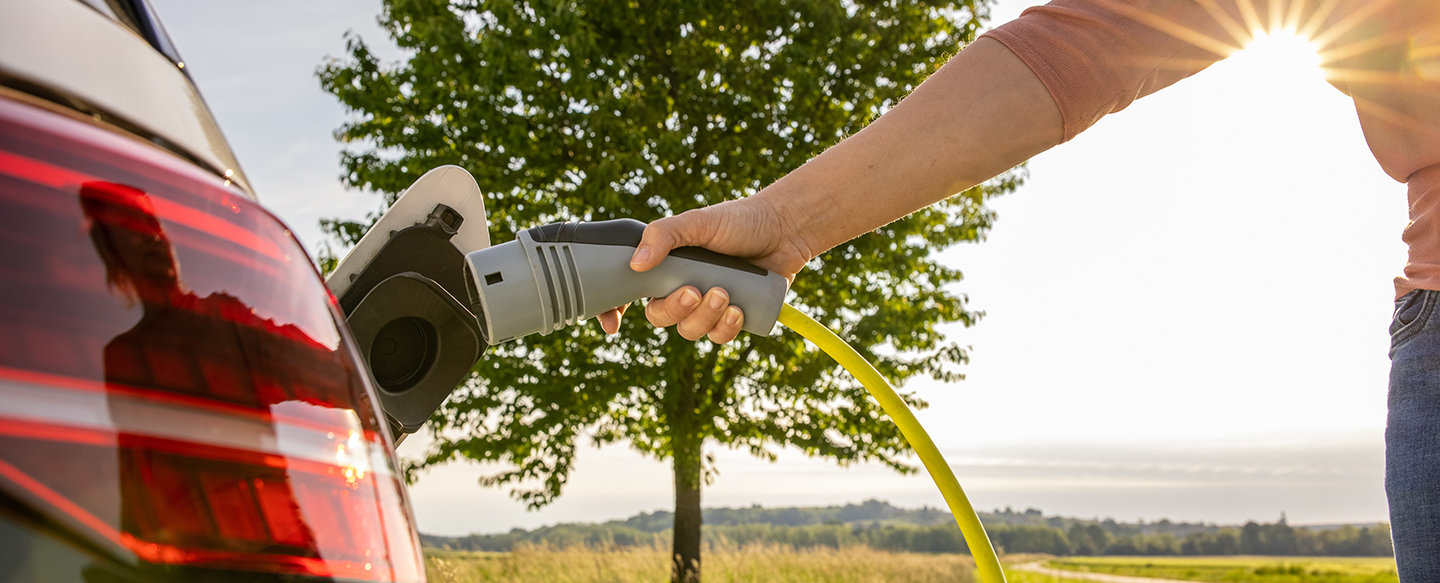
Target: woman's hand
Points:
(749, 228)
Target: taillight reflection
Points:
(173, 384)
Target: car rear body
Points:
(180, 398)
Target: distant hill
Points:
(869, 510)
(879, 524)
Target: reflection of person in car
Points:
(191, 345)
(160, 351)
(139, 262)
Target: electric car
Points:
(180, 396)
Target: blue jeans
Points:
(1412, 437)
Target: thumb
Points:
(661, 236)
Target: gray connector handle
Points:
(553, 276)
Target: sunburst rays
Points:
(1283, 48)
(1310, 33)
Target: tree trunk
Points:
(685, 558)
(686, 555)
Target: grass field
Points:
(1012, 576)
(1239, 569)
(779, 564)
(737, 565)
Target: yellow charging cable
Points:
(920, 441)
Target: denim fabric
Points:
(1412, 437)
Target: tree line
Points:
(881, 526)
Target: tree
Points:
(1029, 539)
(1089, 539)
(1225, 541)
(600, 109)
(1251, 539)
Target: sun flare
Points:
(1283, 50)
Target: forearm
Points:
(981, 114)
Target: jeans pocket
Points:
(1412, 311)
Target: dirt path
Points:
(1037, 567)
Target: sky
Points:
(1186, 306)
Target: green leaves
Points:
(603, 109)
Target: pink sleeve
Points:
(1098, 56)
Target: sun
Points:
(1283, 50)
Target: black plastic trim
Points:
(627, 232)
(704, 255)
(424, 249)
(460, 343)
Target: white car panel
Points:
(68, 47)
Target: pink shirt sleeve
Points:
(1098, 56)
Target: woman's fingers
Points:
(664, 234)
(728, 327)
(706, 315)
(695, 316)
(610, 320)
(670, 310)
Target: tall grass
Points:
(1248, 569)
(722, 563)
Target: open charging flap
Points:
(401, 289)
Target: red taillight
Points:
(174, 386)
